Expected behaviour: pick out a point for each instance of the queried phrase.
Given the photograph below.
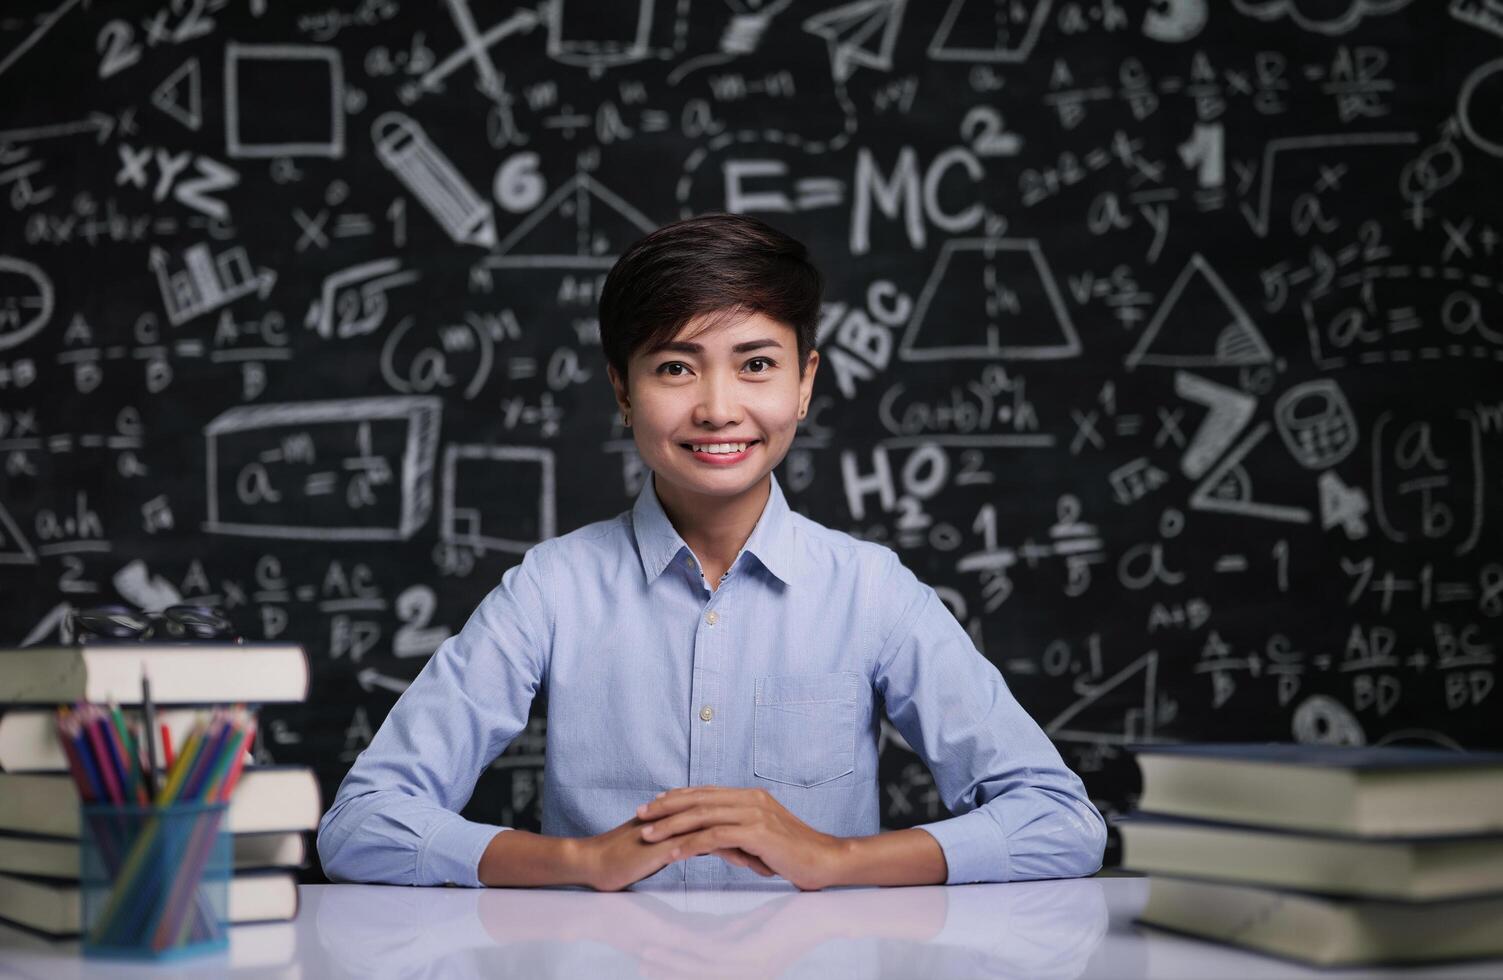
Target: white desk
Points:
(1048, 930)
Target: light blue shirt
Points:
(777, 679)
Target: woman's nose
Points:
(717, 403)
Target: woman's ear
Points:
(806, 382)
(618, 384)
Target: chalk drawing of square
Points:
(272, 95)
(497, 476)
(241, 433)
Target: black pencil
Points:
(150, 712)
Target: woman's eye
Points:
(663, 368)
(764, 360)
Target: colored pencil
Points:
(149, 713)
(157, 895)
(136, 792)
(182, 764)
(114, 744)
(173, 926)
(237, 754)
(219, 730)
(91, 766)
(86, 755)
(70, 749)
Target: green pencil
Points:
(118, 718)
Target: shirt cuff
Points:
(451, 854)
(975, 848)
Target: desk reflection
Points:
(1044, 929)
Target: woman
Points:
(716, 665)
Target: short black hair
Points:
(729, 265)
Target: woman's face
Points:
(735, 383)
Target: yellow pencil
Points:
(182, 764)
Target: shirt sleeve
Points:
(1020, 812)
(395, 819)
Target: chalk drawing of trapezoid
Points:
(14, 548)
(473, 514)
(1228, 489)
(860, 33)
(598, 35)
(1000, 31)
(1117, 711)
(1200, 324)
(990, 298)
(582, 225)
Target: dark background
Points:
(1162, 338)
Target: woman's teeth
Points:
(719, 448)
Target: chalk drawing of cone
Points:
(405, 150)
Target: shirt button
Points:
(689, 562)
(706, 713)
(712, 617)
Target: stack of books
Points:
(271, 810)
(1325, 854)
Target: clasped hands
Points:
(744, 827)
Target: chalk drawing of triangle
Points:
(986, 299)
(1012, 25)
(1228, 488)
(582, 224)
(1117, 711)
(849, 31)
(1200, 324)
(178, 95)
(14, 548)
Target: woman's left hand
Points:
(721, 820)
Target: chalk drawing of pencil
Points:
(405, 150)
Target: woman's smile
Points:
(721, 453)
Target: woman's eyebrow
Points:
(688, 347)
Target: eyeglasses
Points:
(179, 622)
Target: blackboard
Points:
(1162, 338)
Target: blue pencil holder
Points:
(154, 880)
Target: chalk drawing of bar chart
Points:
(356, 469)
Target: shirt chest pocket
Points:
(804, 727)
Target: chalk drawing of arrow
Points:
(101, 124)
(370, 679)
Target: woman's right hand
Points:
(620, 857)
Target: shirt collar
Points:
(659, 543)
